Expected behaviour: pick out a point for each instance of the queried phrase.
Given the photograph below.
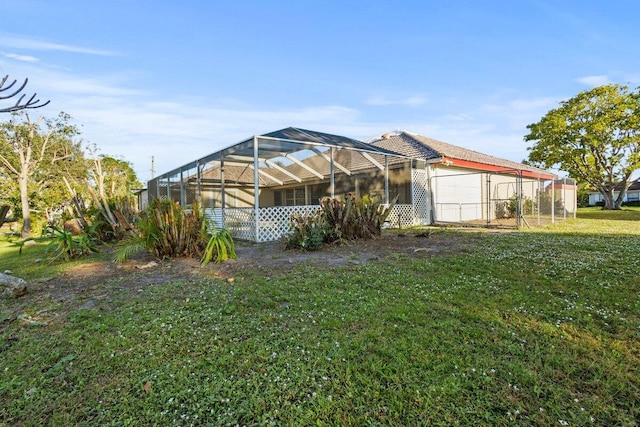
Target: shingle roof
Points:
(413, 145)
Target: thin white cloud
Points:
(94, 86)
(412, 101)
(415, 100)
(20, 42)
(457, 117)
(25, 58)
(593, 80)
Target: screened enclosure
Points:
(253, 187)
(508, 198)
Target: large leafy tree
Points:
(595, 136)
(34, 155)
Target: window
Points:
(289, 197)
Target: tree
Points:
(7, 92)
(595, 136)
(115, 177)
(35, 158)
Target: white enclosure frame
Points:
(276, 160)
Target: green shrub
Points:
(338, 220)
(308, 232)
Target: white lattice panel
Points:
(275, 221)
(400, 216)
(241, 223)
(214, 216)
(420, 191)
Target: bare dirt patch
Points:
(93, 284)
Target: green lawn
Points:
(540, 327)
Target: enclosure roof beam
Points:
(232, 163)
(240, 158)
(304, 166)
(283, 170)
(328, 159)
(268, 162)
(271, 177)
(372, 160)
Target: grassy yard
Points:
(540, 327)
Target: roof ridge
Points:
(445, 149)
(417, 144)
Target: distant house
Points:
(253, 187)
(142, 196)
(633, 195)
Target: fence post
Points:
(488, 198)
(256, 189)
(553, 202)
(564, 198)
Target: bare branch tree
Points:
(21, 104)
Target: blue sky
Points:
(179, 80)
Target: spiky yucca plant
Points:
(353, 218)
(338, 220)
(169, 231)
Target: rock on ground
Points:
(12, 286)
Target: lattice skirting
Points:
(401, 216)
(275, 222)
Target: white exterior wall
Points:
(457, 194)
(461, 194)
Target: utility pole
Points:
(153, 167)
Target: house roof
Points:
(414, 145)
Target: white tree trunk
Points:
(24, 203)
